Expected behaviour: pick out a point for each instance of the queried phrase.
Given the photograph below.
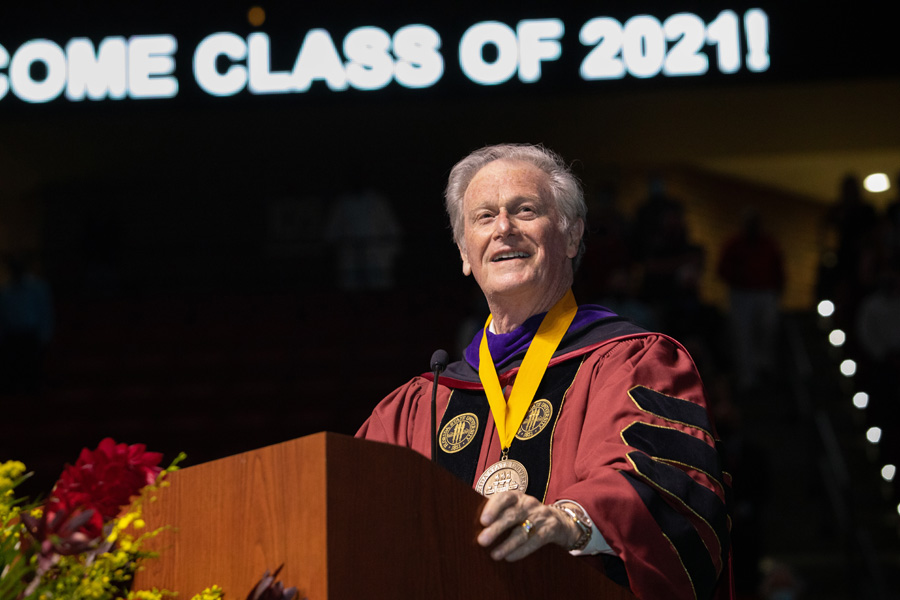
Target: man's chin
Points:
(510, 286)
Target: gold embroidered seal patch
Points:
(537, 418)
(457, 434)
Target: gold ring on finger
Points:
(527, 526)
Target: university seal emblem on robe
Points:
(537, 418)
(457, 434)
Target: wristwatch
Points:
(581, 520)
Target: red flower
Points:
(106, 478)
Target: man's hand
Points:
(509, 512)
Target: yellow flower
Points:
(92, 575)
(153, 594)
(9, 472)
(125, 520)
(210, 593)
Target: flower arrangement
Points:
(86, 540)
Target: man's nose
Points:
(503, 225)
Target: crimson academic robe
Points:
(633, 443)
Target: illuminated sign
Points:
(140, 67)
(489, 53)
(373, 59)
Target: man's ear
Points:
(466, 267)
(576, 232)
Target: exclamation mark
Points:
(756, 26)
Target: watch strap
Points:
(581, 520)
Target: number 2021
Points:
(643, 47)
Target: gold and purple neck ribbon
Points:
(509, 414)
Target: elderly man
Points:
(581, 429)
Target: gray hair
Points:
(565, 188)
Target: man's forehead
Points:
(505, 176)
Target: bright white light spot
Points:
(826, 308)
(874, 434)
(888, 472)
(860, 400)
(837, 338)
(877, 182)
(848, 368)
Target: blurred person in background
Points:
(26, 327)
(752, 265)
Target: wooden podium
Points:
(349, 519)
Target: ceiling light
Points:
(848, 367)
(877, 182)
(256, 16)
(837, 338)
(888, 472)
(826, 308)
(860, 400)
(874, 434)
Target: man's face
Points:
(512, 243)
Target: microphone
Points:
(439, 362)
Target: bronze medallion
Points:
(536, 419)
(458, 432)
(503, 476)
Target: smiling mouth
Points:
(510, 256)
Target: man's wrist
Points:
(581, 520)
